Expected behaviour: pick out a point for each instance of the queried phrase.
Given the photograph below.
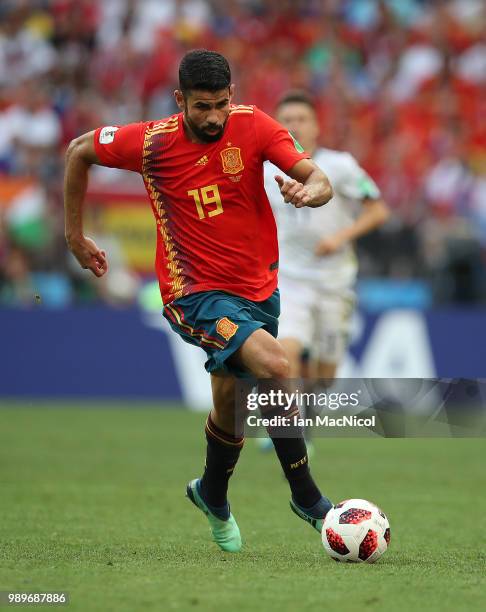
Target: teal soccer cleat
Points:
(226, 533)
(314, 516)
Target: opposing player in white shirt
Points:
(318, 266)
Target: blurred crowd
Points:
(399, 83)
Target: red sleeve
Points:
(120, 146)
(276, 143)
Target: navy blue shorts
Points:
(219, 323)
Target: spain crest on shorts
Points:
(226, 328)
(232, 162)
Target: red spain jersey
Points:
(215, 227)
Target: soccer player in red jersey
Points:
(217, 254)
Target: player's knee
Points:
(276, 366)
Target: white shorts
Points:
(319, 320)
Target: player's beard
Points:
(201, 133)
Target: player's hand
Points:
(89, 256)
(328, 246)
(293, 192)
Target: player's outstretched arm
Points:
(80, 156)
(309, 186)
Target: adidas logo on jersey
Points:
(203, 161)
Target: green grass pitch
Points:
(92, 502)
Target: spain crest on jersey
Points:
(226, 328)
(232, 162)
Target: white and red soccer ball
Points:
(355, 531)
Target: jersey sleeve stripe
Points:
(165, 130)
(171, 121)
(177, 281)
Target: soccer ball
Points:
(355, 531)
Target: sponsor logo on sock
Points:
(302, 461)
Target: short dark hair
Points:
(297, 96)
(203, 70)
